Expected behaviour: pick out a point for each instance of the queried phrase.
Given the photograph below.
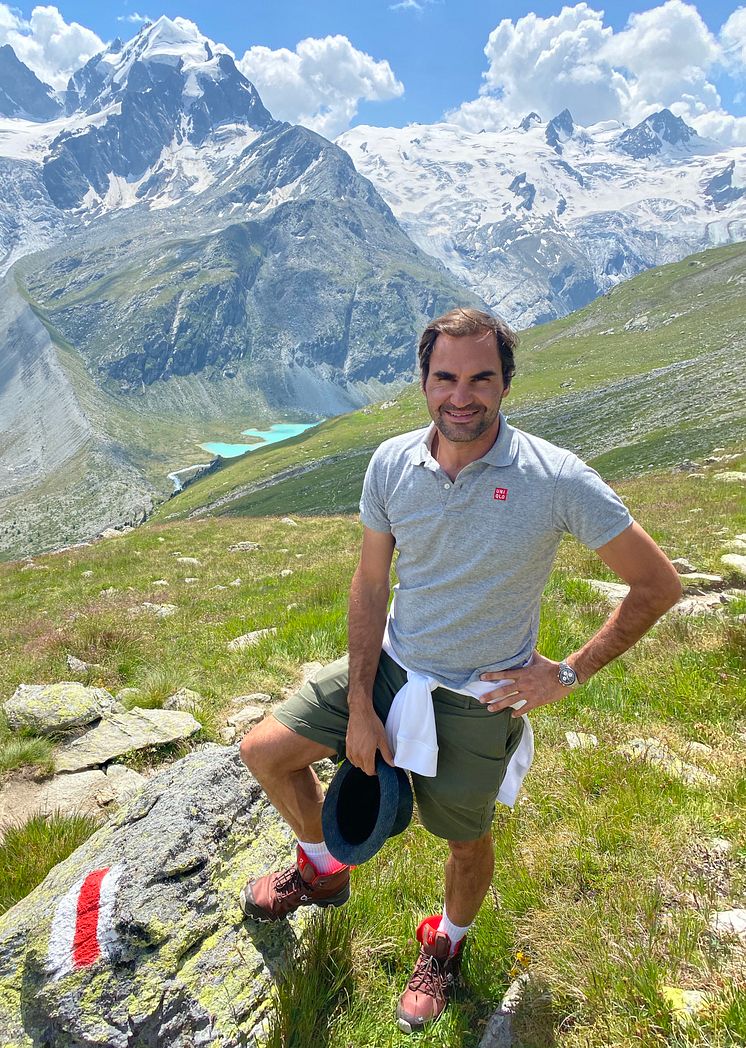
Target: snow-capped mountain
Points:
(22, 94)
(542, 218)
(201, 264)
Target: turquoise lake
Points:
(276, 432)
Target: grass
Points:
(29, 852)
(606, 877)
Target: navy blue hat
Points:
(362, 811)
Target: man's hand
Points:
(534, 685)
(365, 735)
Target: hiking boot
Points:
(432, 981)
(275, 895)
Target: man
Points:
(476, 510)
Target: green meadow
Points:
(606, 876)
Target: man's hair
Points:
(461, 322)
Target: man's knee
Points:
(262, 747)
(472, 851)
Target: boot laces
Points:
(429, 976)
(288, 882)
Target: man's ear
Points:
(505, 392)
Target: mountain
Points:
(542, 218)
(205, 268)
(647, 377)
(22, 94)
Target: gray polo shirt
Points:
(474, 555)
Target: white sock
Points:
(455, 932)
(320, 856)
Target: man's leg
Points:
(279, 760)
(469, 869)
(468, 874)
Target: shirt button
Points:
(446, 486)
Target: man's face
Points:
(464, 387)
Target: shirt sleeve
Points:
(586, 507)
(372, 501)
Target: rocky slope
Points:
(212, 266)
(541, 218)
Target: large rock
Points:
(736, 561)
(137, 940)
(86, 792)
(122, 733)
(47, 708)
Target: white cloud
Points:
(47, 44)
(320, 83)
(410, 5)
(135, 18)
(733, 38)
(663, 57)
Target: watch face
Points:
(567, 675)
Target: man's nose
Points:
(461, 395)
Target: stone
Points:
(76, 665)
(656, 753)
(161, 611)
(189, 560)
(700, 576)
(128, 695)
(236, 582)
(698, 749)
(699, 604)
(160, 582)
(123, 732)
(111, 533)
(615, 592)
(682, 565)
(289, 521)
(171, 961)
(86, 574)
(109, 591)
(578, 740)
(248, 640)
(729, 924)
(719, 846)
(190, 581)
(685, 1004)
(498, 1032)
(49, 708)
(243, 547)
(228, 734)
(286, 572)
(737, 561)
(246, 717)
(256, 697)
(730, 477)
(183, 699)
(86, 793)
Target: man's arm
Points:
(654, 587)
(369, 597)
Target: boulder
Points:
(248, 640)
(682, 565)
(737, 561)
(615, 592)
(655, 752)
(730, 477)
(137, 939)
(183, 699)
(48, 708)
(122, 733)
(729, 924)
(76, 665)
(245, 718)
(289, 520)
(85, 792)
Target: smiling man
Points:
(476, 510)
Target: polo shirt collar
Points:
(502, 452)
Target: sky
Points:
(332, 64)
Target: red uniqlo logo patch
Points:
(501, 494)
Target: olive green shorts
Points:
(474, 745)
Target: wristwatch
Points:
(567, 676)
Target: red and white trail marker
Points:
(83, 923)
